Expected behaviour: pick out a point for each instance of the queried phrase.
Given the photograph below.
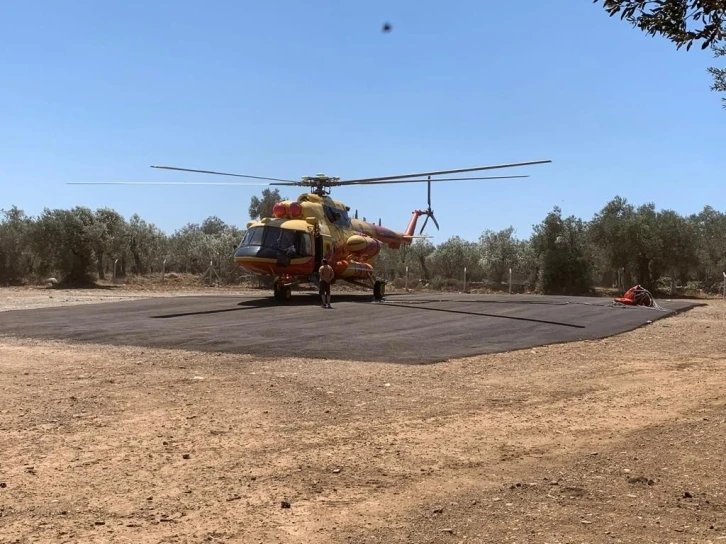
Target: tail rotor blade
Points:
(424, 225)
(429, 212)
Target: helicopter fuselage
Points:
(300, 233)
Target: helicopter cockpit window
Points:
(253, 237)
(305, 247)
(337, 216)
(286, 242)
(291, 242)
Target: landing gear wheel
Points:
(379, 290)
(283, 292)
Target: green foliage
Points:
(657, 249)
(719, 74)
(710, 232)
(450, 258)
(676, 250)
(643, 243)
(213, 226)
(262, 207)
(391, 264)
(564, 264)
(501, 251)
(683, 22)
(420, 251)
(14, 257)
(145, 244)
(192, 248)
(109, 240)
(623, 237)
(77, 246)
(610, 230)
(64, 240)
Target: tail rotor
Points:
(429, 212)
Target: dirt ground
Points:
(617, 440)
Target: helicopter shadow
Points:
(311, 299)
(299, 300)
(511, 302)
(469, 302)
(418, 305)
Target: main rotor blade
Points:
(439, 172)
(222, 173)
(435, 222)
(172, 183)
(286, 183)
(379, 182)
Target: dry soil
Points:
(618, 440)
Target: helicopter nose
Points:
(257, 252)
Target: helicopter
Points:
(291, 244)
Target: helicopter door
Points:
(318, 251)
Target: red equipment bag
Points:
(636, 296)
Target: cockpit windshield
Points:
(291, 242)
(337, 216)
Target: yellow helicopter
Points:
(291, 244)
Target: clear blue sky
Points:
(99, 91)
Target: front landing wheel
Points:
(283, 292)
(379, 290)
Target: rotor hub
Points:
(320, 183)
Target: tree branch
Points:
(669, 18)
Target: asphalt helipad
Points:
(404, 328)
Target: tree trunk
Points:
(137, 263)
(673, 282)
(644, 272)
(424, 270)
(99, 267)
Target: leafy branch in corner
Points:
(671, 18)
(719, 74)
(683, 22)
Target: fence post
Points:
(510, 281)
(465, 279)
(406, 280)
(114, 270)
(163, 269)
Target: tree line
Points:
(620, 246)
(79, 246)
